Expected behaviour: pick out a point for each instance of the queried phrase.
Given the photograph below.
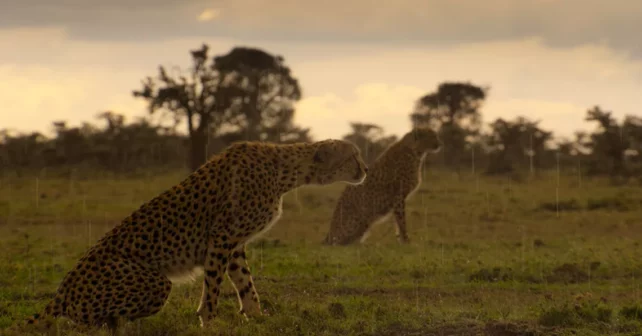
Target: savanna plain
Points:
(546, 254)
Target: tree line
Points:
(249, 94)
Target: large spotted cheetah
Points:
(393, 177)
(201, 224)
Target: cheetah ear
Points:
(323, 154)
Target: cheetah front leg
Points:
(215, 264)
(399, 211)
(238, 272)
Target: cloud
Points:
(389, 106)
(47, 75)
(614, 23)
(561, 117)
(54, 46)
(526, 78)
(33, 97)
(380, 103)
(209, 14)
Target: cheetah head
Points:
(424, 139)
(337, 161)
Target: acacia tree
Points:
(21, 152)
(72, 145)
(123, 147)
(198, 97)
(455, 110)
(608, 144)
(510, 142)
(572, 152)
(245, 91)
(267, 91)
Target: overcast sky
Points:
(356, 60)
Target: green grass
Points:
(488, 256)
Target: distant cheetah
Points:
(393, 177)
(201, 224)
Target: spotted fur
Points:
(200, 225)
(393, 178)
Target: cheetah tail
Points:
(55, 308)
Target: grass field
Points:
(487, 257)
